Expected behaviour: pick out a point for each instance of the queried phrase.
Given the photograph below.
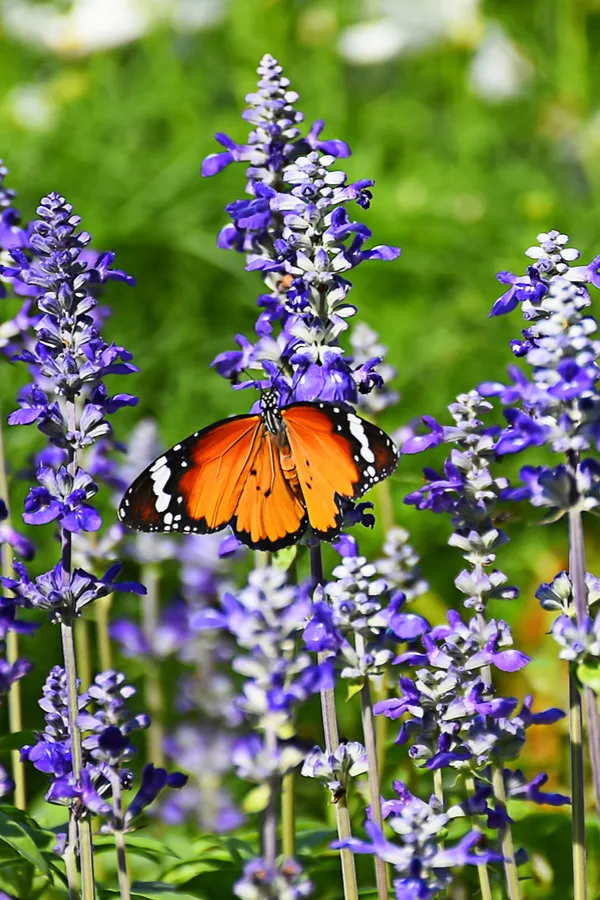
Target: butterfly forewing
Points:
(196, 485)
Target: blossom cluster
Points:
(107, 725)
(297, 232)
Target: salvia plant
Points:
(427, 784)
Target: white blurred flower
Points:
(399, 26)
(93, 25)
(32, 106)
(498, 71)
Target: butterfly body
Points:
(268, 475)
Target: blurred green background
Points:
(479, 121)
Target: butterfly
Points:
(269, 475)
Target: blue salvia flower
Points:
(334, 770)
(107, 724)
(260, 882)
(452, 715)
(275, 139)
(204, 752)
(423, 866)
(69, 361)
(297, 232)
(265, 618)
(557, 404)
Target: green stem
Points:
(438, 786)
(119, 833)
(270, 820)
(15, 707)
(372, 770)
(84, 827)
(332, 741)
(154, 691)
(103, 606)
(83, 651)
(508, 847)
(70, 858)
(577, 791)
(482, 869)
(577, 570)
(288, 822)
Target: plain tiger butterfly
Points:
(269, 475)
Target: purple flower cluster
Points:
(296, 231)
(453, 715)
(360, 602)
(68, 401)
(106, 724)
(261, 882)
(422, 864)
(558, 403)
(265, 618)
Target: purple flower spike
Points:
(434, 439)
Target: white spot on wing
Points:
(160, 478)
(358, 431)
(158, 463)
(168, 518)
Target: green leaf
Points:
(256, 800)
(186, 871)
(154, 890)
(283, 559)
(137, 845)
(589, 675)
(16, 740)
(354, 687)
(20, 839)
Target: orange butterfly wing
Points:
(197, 484)
(337, 455)
(270, 513)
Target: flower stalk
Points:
(332, 741)
(119, 835)
(368, 727)
(154, 692)
(15, 710)
(84, 830)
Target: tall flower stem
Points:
(508, 848)
(105, 656)
(332, 740)
(84, 827)
(15, 711)
(288, 824)
(577, 569)
(83, 650)
(154, 691)
(119, 833)
(438, 786)
(66, 628)
(70, 858)
(368, 726)
(270, 821)
(482, 869)
(577, 791)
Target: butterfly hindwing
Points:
(196, 485)
(270, 514)
(337, 455)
